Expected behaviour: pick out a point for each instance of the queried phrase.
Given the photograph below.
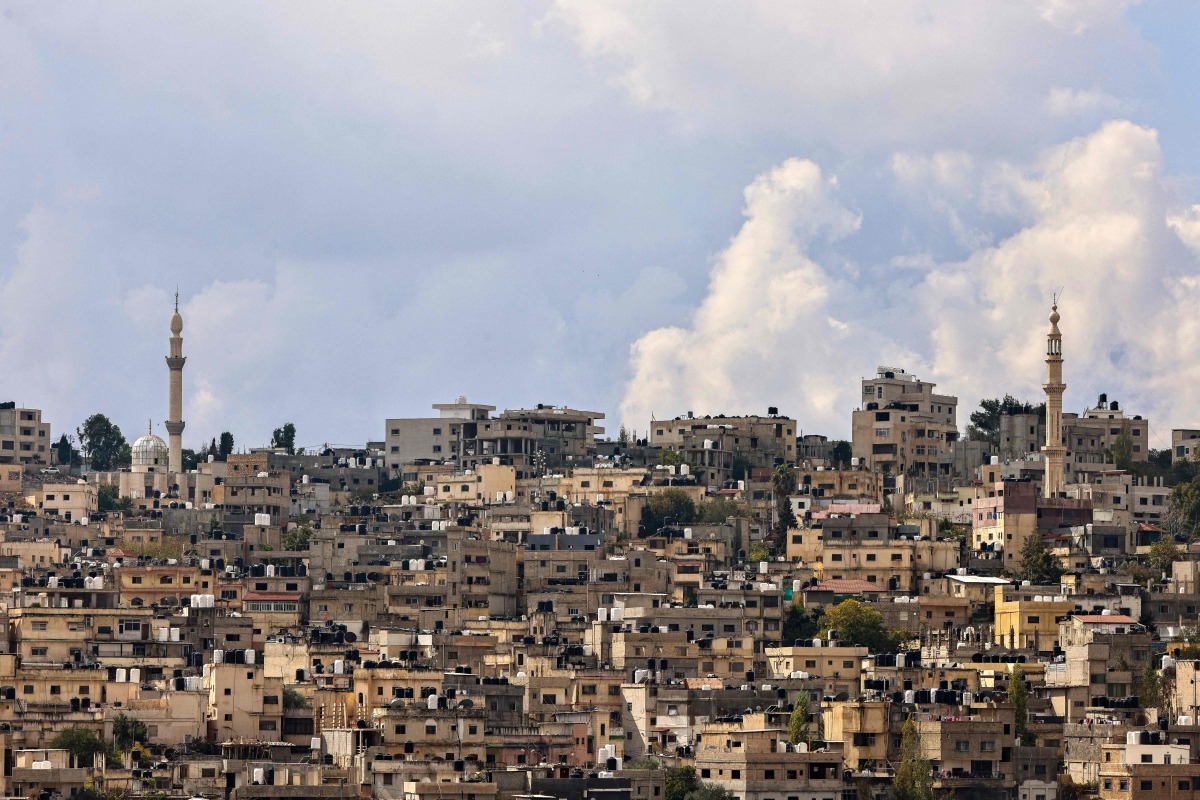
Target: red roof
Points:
(271, 596)
(847, 586)
(1109, 619)
(847, 508)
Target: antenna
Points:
(176, 298)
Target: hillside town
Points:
(519, 604)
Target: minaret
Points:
(1054, 387)
(175, 418)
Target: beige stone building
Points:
(722, 448)
(24, 438)
(902, 426)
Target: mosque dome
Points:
(150, 451)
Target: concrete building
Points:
(24, 438)
(727, 448)
(903, 427)
(1185, 444)
(449, 436)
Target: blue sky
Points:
(638, 208)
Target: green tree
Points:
(841, 453)
(710, 791)
(1185, 506)
(189, 458)
(783, 486)
(672, 504)
(1163, 554)
(681, 781)
(128, 731)
(1149, 687)
(858, 624)
(296, 537)
(1160, 458)
(1038, 565)
(103, 443)
(1122, 448)
(82, 743)
(714, 512)
(294, 699)
(985, 423)
(914, 773)
(285, 438)
(225, 448)
(800, 723)
(799, 624)
(671, 458)
(1018, 695)
(64, 452)
(108, 498)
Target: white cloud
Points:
(1063, 102)
(855, 72)
(766, 333)
(1099, 225)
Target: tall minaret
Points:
(1054, 388)
(175, 419)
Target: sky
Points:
(637, 208)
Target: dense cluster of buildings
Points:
(491, 605)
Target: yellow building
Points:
(1029, 616)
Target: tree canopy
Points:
(103, 443)
(841, 453)
(63, 451)
(672, 504)
(914, 773)
(783, 486)
(1018, 695)
(800, 723)
(858, 624)
(681, 781)
(1185, 506)
(82, 743)
(985, 423)
(225, 447)
(718, 510)
(710, 791)
(128, 731)
(1122, 448)
(800, 624)
(108, 498)
(1038, 565)
(1163, 554)
(283, 437)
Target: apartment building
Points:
(24, 438)
(722, 449)
(904, 427)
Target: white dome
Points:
(150, 451)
